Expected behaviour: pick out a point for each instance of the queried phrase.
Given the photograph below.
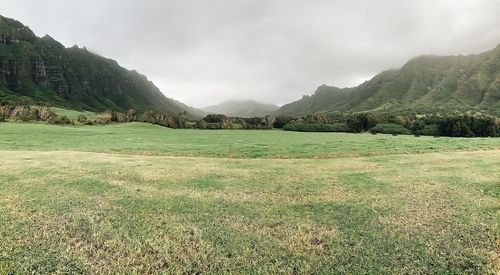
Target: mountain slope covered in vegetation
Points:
(425, 84)
(42, 71)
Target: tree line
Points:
(181, 120)
(453, 125)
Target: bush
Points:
(456, 126)
(201, 124)
(132, 115)
(217, 121)
(22, 112)
(485, 126)
(393, 129)
(236, 126)
(281, 121)
(103, 118)
(213, 126)
(319, 117)
(46, 114)
(256, 122)
(82, 118)
(416, 126)
(316, 127)
(60, 120)
(360, 122)
(431, 130)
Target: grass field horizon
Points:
(148, 139)
(138, 198)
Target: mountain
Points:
(248, 108)
(42, 71)
(424, 84)
(194, 112)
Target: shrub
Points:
(316, 127)
(360, 122)
(60, 120)
(146, 117)
(256, 122)
(485, 126)
(431, 130)
(281, 121)
(456, 126)
(22, 112)
(46, 114)
(416, 126)
(5, 110)
(393, 129)
(190, 125)
(236, 126)
(132, 115)
(103, 118)
(218, 121)
(120, 117)
(319, 117)
(82, 118)
(213, 126)
(201, 124)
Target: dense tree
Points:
(281, 121)
(416, 126)
(393, 129)
(360, 122)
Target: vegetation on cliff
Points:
(41, 71)
(426, 84)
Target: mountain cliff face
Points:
(246, 109)
(424, 84)
(42, 71)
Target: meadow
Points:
(138, 198)
(73, 114)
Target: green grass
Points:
(139, 138)
(136, 198)
(72, 114)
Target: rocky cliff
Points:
(42, 71)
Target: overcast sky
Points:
(203, 52)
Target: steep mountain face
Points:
(242, 109)
(42, 71)
(425, 84)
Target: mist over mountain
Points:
(424, 84)
(249, 108)
(42, 71)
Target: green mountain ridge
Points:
(246, 109)
(426, 84)
(42, 71)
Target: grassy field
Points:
(72, 114)
(137, 198)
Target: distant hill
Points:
(248, 108)
(425, 84)
(194, 112)
(42, 71)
